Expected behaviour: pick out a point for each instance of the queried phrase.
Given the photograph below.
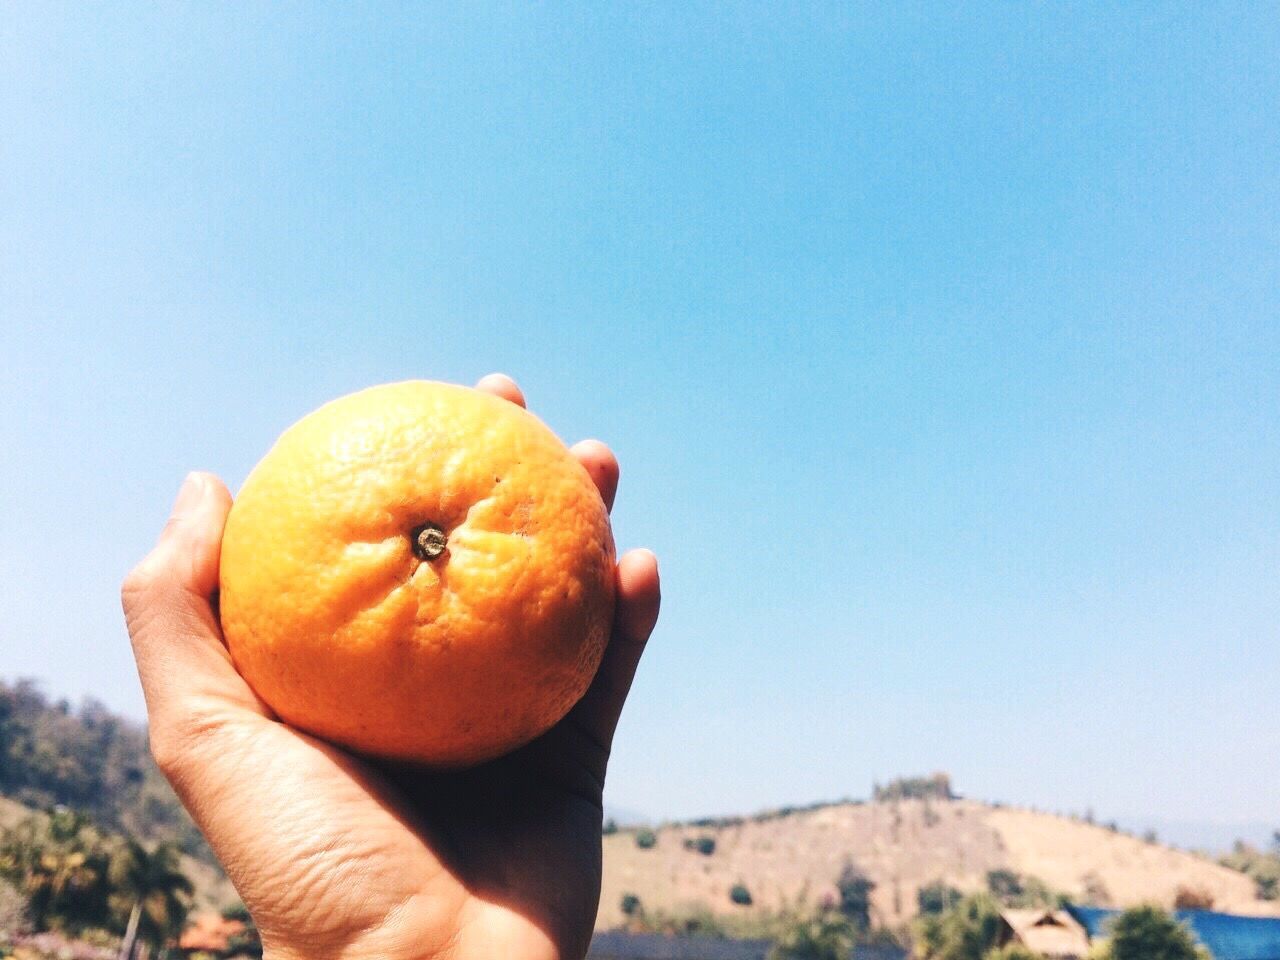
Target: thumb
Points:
(169, 608)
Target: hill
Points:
(91, 760)
(902, 845)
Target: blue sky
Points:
(941, 351)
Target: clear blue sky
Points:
(941, 351)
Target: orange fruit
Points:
(418, 571)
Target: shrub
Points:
(855, 889)
(936, 898)
(827, 936)
(1096, 893)
(740, 895)
(609, 828)
(646, 839)
(937, 787)
(965, 932)
(1144, 933)
(1188, 898)
(630, 904)
(1005, 885)
(703, 845)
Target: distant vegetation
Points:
(77, 879)
(703, 845)
(854, 889)
(935, 787)
(1263, 867)
(1144, 933)
(935, 898)
(967, 931)
(1015, 890)
(972, 929)
(89, 760)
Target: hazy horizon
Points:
(939, 350)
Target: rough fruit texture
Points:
(348, 633)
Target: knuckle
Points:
(143, 581)
(137, 583)
(146, 584)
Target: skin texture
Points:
(338, 856)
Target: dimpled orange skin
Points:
(346, 633)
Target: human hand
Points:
(340, 856)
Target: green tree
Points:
(89, 760)
(156, 890)
(646, 839)
(854, 889)
(740, 895)
(937, 787)
(965, 932)
(630, 904)
(1262, 868)
(60, 864)
(935, 898)
(1005, 885)
(828, 935)
(1149, 933)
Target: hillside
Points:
(901, 846)
(91, 760)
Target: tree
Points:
(630, 904)
(825, 936)
(703, 845)
(646, 839)
(854, 888)
(89, 760)
(1149, 933)
(937, 787)
(965, 932)
(1005, 885)
(59, 863)
(1096, 893)
(1192, 898)
(740, 895)
(157, 891)
(935, 898)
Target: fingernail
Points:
(189, 495)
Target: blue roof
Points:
(1225, 935)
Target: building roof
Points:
(209, 931)
(1054, 933)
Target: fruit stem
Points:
(429, 541)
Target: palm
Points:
(339, 856)
(507, 854)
